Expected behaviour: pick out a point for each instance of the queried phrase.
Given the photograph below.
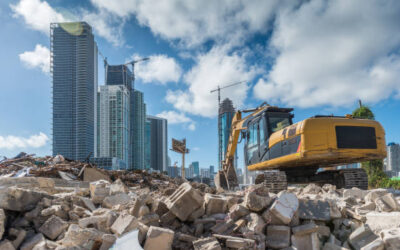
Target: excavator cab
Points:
(259, 129)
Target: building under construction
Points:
(225, 114)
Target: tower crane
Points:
(133, 62)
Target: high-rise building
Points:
(74, 72)
(196, 168)
(158, 143)
(212, 171)
(119, 75)
(114, 128)
(147, 145)
(205, 173)
(393, 159)
(139, 117)
(225, 116)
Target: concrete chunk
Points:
(380, 221)
(285, 206)
(117, 199)
(81, 237)
(387, 203)
(53, 227)
(184, 201)
(215, 204)
(314, 210)
(19, 199)
(355, 193)
(118, 187)
(210, 243)
(2, 222)
(331, 246)
(375, 245)
(306, 242)
(391, 238)
(92, 174)
(32, 241)
(237, 211)
(159, 238)
(123, 224)
(278, 236)
(6, 245)
(361, 237)
(99, 190)
(255, 223)
(257, 198)
(305, 229)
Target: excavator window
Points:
(278, 123)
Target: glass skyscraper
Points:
(139, 117)
(196, 168)
(147, 144)
(114, 122)
(226, 113)
(74, 73)
(158, 143)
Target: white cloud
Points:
(17, 142)
(174, 117)
(216, 67)
(39, 14)
(194, 22)
(333, 53)
(160, 69)
(38, 58)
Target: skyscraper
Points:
(139, 117)
(147, 145)
(225, 116)
(114, 129)
(74, 72)
(196, 168)
(158, 143)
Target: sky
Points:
(319, 57)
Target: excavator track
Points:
(349, 178)
(274, 180)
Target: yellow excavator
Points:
(308, 151)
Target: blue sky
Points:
(317, 56)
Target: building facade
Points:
(158, 143)
(225, 116)
(147, 145)
(73, 66)
(196, 168)
(114, 120)
(139, 120)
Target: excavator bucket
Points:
(220, 180)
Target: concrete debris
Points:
(49, 203)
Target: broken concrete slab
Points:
(18, 235)
(19, 199)
(159, 238)
(53, 227)
(255, 223)
(210, 243)
(305, 229)
(92, 174)
(387, 203)
(375, 245)
(108, 240)
(306, 242)
(361, 237)
(331, 246)
(237, 211)
(116, 199)
(355, 193)
(80, 237)
(284, 207)
(215, 204)
(6, 245)
(123, 224)
(314, 210)
(278, 236)
(118, 187)
(32, 241)
(257, 198)
(184, 201)
(391, 238)
(99, 190)
(380, 221)
(236, 242)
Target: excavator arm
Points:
(226, 177)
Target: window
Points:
(278, 123)
(262, 130)
(252, 135)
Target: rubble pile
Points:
(59, 167)
(38, 212)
